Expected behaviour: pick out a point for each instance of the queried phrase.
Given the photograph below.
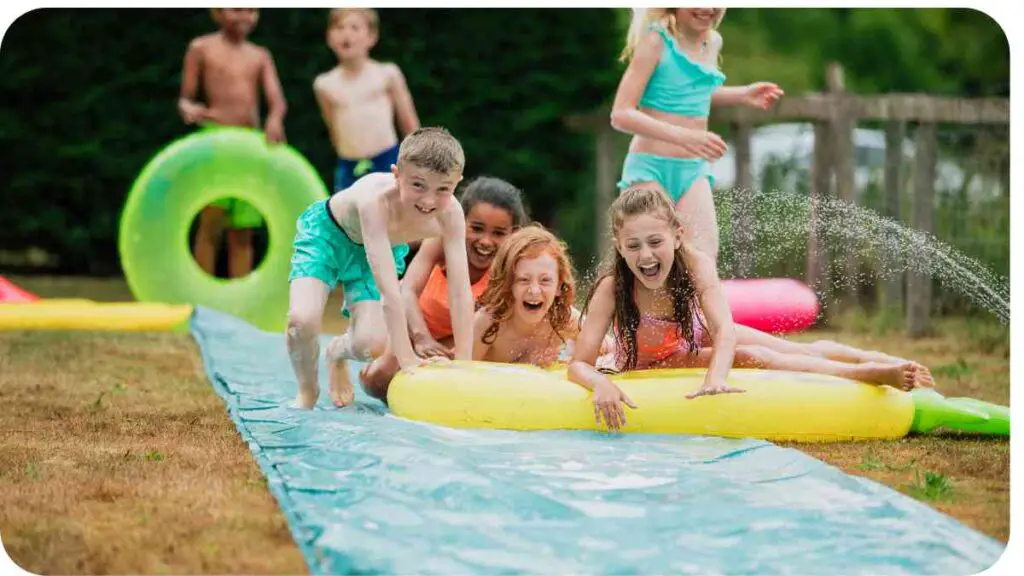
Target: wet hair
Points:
(433, 149)
(528, 242)
(337, 16)
(497, 193)
(635, 201)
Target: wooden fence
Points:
(834, 113)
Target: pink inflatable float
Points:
(773, 305)
(11, 293)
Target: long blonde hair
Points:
(644, 17)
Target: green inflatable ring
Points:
(189, 174)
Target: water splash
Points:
(883, 247)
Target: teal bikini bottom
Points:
(675, 175)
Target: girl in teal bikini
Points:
(664, 99)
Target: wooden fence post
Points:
(604, 186)
(818, 255)
(892, 293)
(843, 161)
(742, 210)
(919, 285)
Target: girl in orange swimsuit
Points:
(494, 209)
(662, 298)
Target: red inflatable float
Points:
(773, 305)
(11, 293)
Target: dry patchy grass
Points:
(121, 458)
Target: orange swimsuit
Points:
(434, 301)
(656, 340)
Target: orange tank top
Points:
(434, 301)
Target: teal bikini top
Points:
(678, 84)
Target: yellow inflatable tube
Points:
(74, 314)
(777, 406)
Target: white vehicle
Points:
(791, 146)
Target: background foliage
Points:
(90, 97)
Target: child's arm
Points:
(719, 318)
(573, 332)
(757, 95)
(482, 320)
(460, 296)
(607, 397)
(191, 112)
(405, 110)
(276, 105)
(626, 117)
(413, 283)
(373, 221)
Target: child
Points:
(494, 210)
(664, 99)
(526, 314)
(656, 293)
(232, 71)
(360, 99)
(357, 238)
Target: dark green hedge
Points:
(89, 97)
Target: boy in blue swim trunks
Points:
(358, 238)
(361, 99)
(230, 70)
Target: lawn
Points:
(122, 459)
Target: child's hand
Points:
(274, 129)
(703, 144)
(416, 362)
(193, 113)
(410, 364)
(762, 95)
(713, 388)
(425, 346)
(608, 400)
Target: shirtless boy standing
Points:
(232, 71)
(361, 99)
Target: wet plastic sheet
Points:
(367, 492)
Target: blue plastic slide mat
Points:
(367, 492)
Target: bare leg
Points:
(307, 298)
(905, 376)
(747, 336)
(376, 376)
(239, 252)
(363, 341)
(845, 353)
(696, 209)
(208, 234)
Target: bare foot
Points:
(900, 376)
(306, 399)
(340, 390)
(924, 376)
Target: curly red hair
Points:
(528, 242)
